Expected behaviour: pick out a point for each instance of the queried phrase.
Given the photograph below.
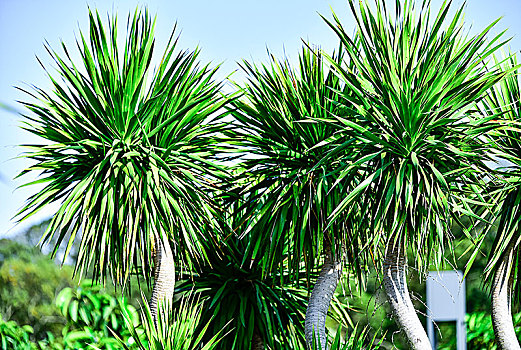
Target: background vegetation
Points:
(43, 308)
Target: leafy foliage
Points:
(29, 282)
(505, 100)
(357, 340)
(127, 156)
(480, 333)
(237, 298)
(176, 329)
(291, 191)
(410, 121)
(93, 316)
(15, 337)
(380, 144)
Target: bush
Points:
(174, 330)
(359, 339)
(29, 282)
(480, 333)
(14, 336)
(94, 316)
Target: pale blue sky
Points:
(227, 31)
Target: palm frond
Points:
(289, 192)
(505, 100)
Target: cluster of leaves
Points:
(90, 314)
(480, 333)
(411, 110)
(357, 340)
(175, 329)
(505, 99)
(99, 320)
(134, 154)
(238, 298)
(29, 281)
(14, 336)
(281, 170)
(93, 317)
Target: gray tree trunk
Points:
(501, 304)
(395, 283)
(256, 341)
(164, 277)
(315, 324)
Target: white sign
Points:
(446, 302)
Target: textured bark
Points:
(256, 341)
(395, 283)
(501, 304)
(164, 277)
(319, 301)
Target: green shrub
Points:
(175, 329)
(14, 336)
(93, 316)
(29, 282)
(358, 339)
(480, 333)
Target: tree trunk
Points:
(256, 341)
(315, 324)
(395, 283)
(501, 303)
(164, 277)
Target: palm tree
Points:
(413, 88)
(126, 152)
(280, 148)
(502, 272)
